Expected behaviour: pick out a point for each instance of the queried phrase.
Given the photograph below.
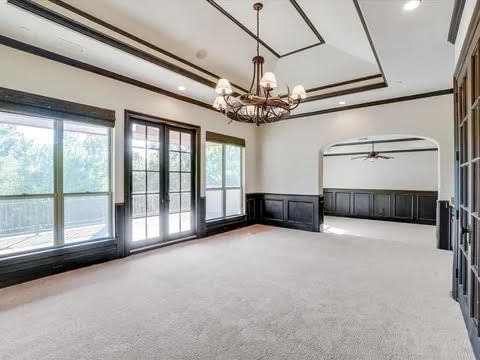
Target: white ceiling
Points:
(412, 47)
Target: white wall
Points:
(290, 160)
(463, 27)
(407, 171)
(26, 72)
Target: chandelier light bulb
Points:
(220, 103)
(268, 81)
(299, 93)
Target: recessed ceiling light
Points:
(181, 88)
(343, 102)
(411, 5)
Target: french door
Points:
(160, 183)
(467, 141)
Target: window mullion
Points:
(58, 183)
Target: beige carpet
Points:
(255, 293)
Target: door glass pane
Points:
(234, 202)
(186, 202)
(174, 139)
(185, 221)
(233, 166)
(174, 161)
(186, 181)
(153, 138)
(25, 224)
(153, 227)
(174, 182)
(86, 218)
(26, 155)
(139, 205)
(153, 160)
(139, 229)
(138, 182)
(186, 162)
(186, 142)
(153, 205)
(173, 223)
(214, 201)
(153, 182)
(138, 135)
(138, 159)
(174, 202)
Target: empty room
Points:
(238, 179)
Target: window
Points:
(55, 180)
(224, 178)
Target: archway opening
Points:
(381, 177)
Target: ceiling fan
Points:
(372, 155)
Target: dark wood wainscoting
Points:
(393, 205)
(303, 212)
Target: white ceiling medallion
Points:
(261, 104)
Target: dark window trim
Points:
(224, 139)
(24, 103)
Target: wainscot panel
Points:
(393, 205)
(303, 212)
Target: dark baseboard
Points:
(21, 268)
(301, 212)
(419, 207)
(224, 225)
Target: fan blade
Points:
(385, 157)
(359, 157)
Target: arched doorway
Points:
(382, 177)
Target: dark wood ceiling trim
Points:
(75, 26)
(136, 38)
(94, 34)
(378, 142)
(455, 20)
(18, 45)
(374, 103)
(342, 83)
(367, 32)
(264, 44)
(383, 152)
(307, 21)
(346, 92)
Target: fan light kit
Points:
(259, 105)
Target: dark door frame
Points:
(131, 116)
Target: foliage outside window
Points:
(224, 180)
(54, 183)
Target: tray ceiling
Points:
(332, 42)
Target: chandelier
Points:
(259, 105)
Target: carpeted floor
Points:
(255, 293)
